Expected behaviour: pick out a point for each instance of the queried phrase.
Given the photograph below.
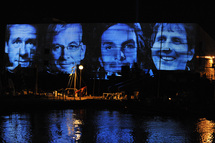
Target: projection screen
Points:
(101, 47)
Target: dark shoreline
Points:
(34, 103)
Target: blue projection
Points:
(20, 45)
(118, 48)
(105, 47)
(66, 46)
(170, 50)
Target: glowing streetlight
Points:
(80, 68)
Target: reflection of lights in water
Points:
(69, 125)
(113, 127)
(76, 124)
(206, 130)
(16, 128)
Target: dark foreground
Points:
(40, 119)
(147, 106)
(103, 126)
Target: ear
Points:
(83, 50)
(6, 48)
(190, 54)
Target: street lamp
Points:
(80, 68)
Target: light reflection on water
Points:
(114, 127)
(206, 130)
(102, 126)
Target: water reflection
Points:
(166, 130)
(114, 127)
(15, 128)
(102, 126)
(206, 130)
(66, 125)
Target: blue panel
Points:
(104, 47)
(171, 49)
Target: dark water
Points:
(86, 125)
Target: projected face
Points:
(118, 47)
(21, 45)
(170, 49)
(67, 48)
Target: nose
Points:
(22, 50)
(166, 48)
(120, 55)
(64, 53)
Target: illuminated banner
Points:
(104, 47)
(172, 46)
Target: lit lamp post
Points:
(80, 68)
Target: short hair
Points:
(55, 29)
(189, 28)
(101, 28)
(8, 33)
(190, 35)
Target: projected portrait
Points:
(20, 45)
(67, 49)
(172, 47)
(119, 46)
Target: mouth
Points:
(168, 58)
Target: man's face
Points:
(67, 48)
(21, 46)
(170, 49)
(118, 47)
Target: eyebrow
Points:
(31, 40)
(56, 44)
(110, 43)
(128, 41)
(73, 42)
(17, 39)
(161, 36)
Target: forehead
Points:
(119, 32)
(71, 31)
(22, 29)
(176, 29)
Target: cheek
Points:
(56, 54)
(181, 49)
(155, 59)
(104, 52)
(107, 53)
(76, 54)
(13, 52)
(156, 45)
(131, 53)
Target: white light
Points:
(81, 67)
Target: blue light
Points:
(161, 46)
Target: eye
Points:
(108, 47)
(73, 47)
(161, 39)
(17, 41)
(177, 40)
(56, 47)
(31, 42)
(130, 46)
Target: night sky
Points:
(109, 11)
